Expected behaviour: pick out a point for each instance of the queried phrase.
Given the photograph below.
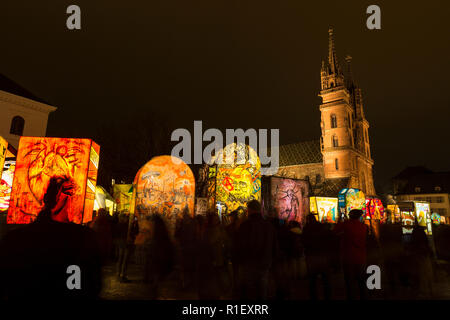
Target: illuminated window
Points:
(17, 125)
(336, 164)
(437, 188)
(335, 141)
(417, 189)
(333, 121)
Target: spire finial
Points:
(332, 60)
(349, 77)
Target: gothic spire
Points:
(332, 60)
(349, 75)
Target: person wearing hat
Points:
(353, 235)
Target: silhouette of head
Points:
(355, 214)
(254, 207)
(310, 218)
(50, 198)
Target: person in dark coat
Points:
(393, 255)
(255, 252)
(316, 239)
(354, 252)
(45, 259)
(159, 259)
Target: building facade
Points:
(432, 187)
(21, 113)
(342, 157)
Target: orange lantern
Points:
(75, 161)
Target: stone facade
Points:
(34, 115)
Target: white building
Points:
(21, 113)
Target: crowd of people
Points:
(252, 256)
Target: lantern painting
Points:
(238, 177)
(75, 161)
(436, 218)
(6, 184)
(394, 213)
(374, 209)
(103, 200)
(3, 152)
(325, 207)
(422, 213)
(408, 219)
(122, 194)
(288, 197)
(165, 185)
(350, 199)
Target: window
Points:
(307, 178)
(336, 164)
(417, 189)
(17, 125)
(333, 121)
(439, 199)
(335, 141)
(318, 178)
(437, 188)
(349, 121)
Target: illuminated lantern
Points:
(374, 209)
(394, 213)
(236, 177)
(122, 194)
(165, 185)
(288, 197)
(407, 215)
(6, 184)
(75, 161)
(103, 200)
(423, 215)
(436, 218)
(3, 152)
(350, 199)
(326, 208)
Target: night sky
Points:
(238, 64)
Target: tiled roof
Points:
(410, 172)
(428, 183)
(330, 187)
(10, 86)
(300, 153)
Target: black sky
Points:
(241, 63)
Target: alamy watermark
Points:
(257, 140)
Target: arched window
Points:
(335, 141)
(333, 121)
(318, 178)
(336, 164)
(17, 125)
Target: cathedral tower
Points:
(345, 139)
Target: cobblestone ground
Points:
(171, 288)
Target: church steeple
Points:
(332, 59)
(349, 76)
(331, 74)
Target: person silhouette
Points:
(48, 259)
